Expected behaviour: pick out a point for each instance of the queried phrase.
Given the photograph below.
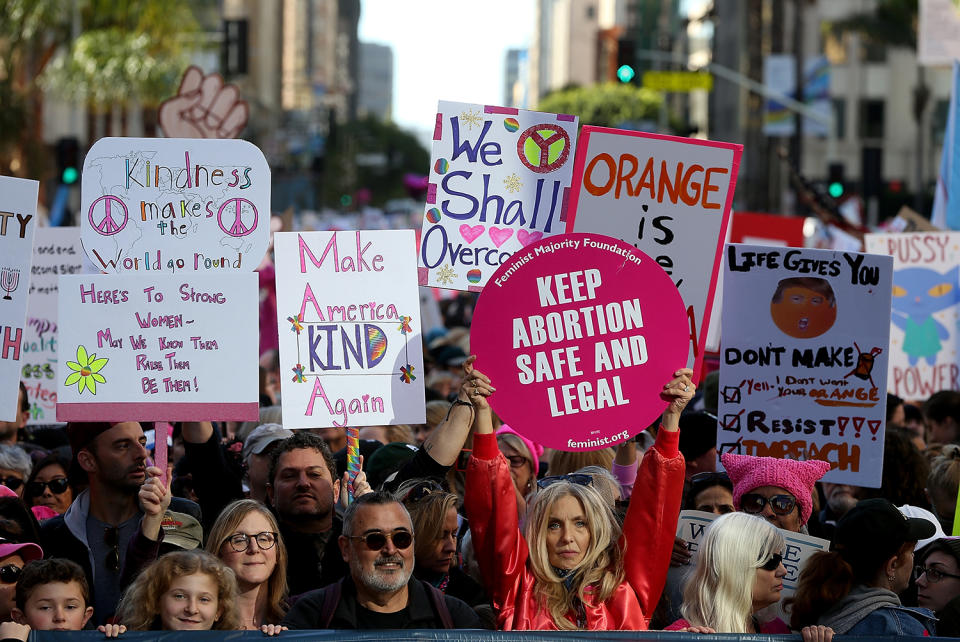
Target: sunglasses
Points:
(57, 487)
(580, 479)
(779, 504)
(463, 459)
(773, 563)
(377, 540)
(13, 483)
(111, 537)
(10, 573)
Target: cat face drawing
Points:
(918, 293)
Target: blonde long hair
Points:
(227, 524)
(601, 567)
(719, 594)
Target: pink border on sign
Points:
(584, 142)
(148, 411)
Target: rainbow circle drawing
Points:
(511, 124)
(473, 276)
(376, 345)
(433, 215)
(441, 166)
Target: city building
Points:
(375, 81)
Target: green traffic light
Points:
(70, 176)
(835, 190)
(626, 73)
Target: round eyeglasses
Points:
(240, 542)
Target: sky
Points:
(445, 49)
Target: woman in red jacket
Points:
(572, 567)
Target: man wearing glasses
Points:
(380, 591)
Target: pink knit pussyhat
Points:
(797, 477)
(535, 449)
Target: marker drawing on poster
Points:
(173, 205)
(803, 371)
(925, 317)
(56, 252)
(158, 347)
(350, 339)
(499, 180)
(669, 197)
(18, 223)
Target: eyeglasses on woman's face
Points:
(934, 575)
(240, 542)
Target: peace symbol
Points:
(107, 226)
(534, 149)
(237, 228)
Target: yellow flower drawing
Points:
(86, 371)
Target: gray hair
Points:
(15, 458)
(604, 482)
(376, 498)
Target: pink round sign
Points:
(579, 333)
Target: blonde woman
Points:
(247, 539)
(571, 568)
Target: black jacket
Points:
(312, 562)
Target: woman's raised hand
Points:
(476, 386)
(678, 391)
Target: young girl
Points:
(182, 591)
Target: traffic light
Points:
(626, 61)
(835, 181)
(68, 160)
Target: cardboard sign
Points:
(925, 318)
(168, 348)
(668, 196)
(499, 179)
(803, 370)
(349, 316)
(579, 333)
(56, 252)
(18, 221)
(693, 524)
(165, 206)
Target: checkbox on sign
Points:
(731, 394)
(732, 422)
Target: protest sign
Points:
(579, 333)
(18, 221)
(56, 252)
(803, 369)
(170, 205)
(349, 317)
(499, 178)
(924, 317)
(157, 347)
(670, 197)
(693, 524)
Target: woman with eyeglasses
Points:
(524, 457)
(48, 484)
(572, 567)
(15, 467)
(937, 575)
(246, 537)
(854, 588)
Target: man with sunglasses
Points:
(380, 591)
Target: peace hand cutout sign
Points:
(204, 107)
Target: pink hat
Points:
(6, 492)
(27, 550)
(535, 449)
(797, 477)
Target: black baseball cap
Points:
(876, 528)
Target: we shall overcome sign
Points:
(579, 333)
(158, 347)
(803, 373)
(670, 197)
(348, 310)
(175, 204)
(498, 182)
(18, 208)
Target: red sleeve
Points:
(650, 525)
(491, 507)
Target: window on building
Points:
(591, 12)
(938, 121)
(840, 116)
(872, 50)
(871, 118)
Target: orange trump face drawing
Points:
(803, 307)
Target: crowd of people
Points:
(466, 523)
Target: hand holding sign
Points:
(476, 385)
(204, 107)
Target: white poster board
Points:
(668, 196)
(56, 252)
(499, 180)
(938, 24)
(348, 309)
(158, 347)
(18, 222)
(173, 205)
(925, 317)
(803, 370)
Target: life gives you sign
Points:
(158, 347)
(348, 309)
(579, 333)
(498, 182)
(670, 197)
(803, 371)
(170, 205)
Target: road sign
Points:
(678, 80)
